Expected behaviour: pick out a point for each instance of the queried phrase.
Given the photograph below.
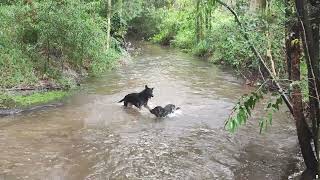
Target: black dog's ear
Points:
(146, 86)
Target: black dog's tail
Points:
(121, 100)
(178, 108)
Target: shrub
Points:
(105, 62)
(201, 49)
(168, 28)
(43, 37)
(15, 65)
(227, 42)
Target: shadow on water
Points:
(94, 137)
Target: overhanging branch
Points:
(257, 54)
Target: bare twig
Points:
(261, 73)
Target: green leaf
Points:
(241, 117)
(270, 118)
(231, 126)
(269, 105)
(279, 100)
(248, 111)
(261, 125)
(275, 106)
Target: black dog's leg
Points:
(146, 106)
(125, 103)
(137, 104)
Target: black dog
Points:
(163, 112)
(138, 99)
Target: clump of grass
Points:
(6, 101)
(24, 101)
(39, 98)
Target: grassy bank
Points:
(8, 101)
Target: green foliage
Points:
(38, 98)
(24, 101)
(168, 27)
(105, 63)
(79, 35)
(6, 101)
(15, 68)
(176, 26)
(143, 18)
(184, 39)
(202, 48)
(242, 110)
(15, 65)
(304, 81)
(8, 2)
(231, 47)
(119, 26)
(221, 38)
(227, 42)
(42, 37)
(145, 25)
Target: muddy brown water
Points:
(94, 137)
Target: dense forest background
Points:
(45, 39)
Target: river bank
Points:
(20, 102)
(47, 48)
(48, 92)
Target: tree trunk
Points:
(304, 135)
(108, 23)
(316, 50)
(316, 60)
(289, 29)
(210, 19)
(198, 21)
(210, 7)
(266, 9)
(202, 20)
(207, 20)
(313, 83)
(46, 64)
(311, 53)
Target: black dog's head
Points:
(163, 112)
(157, 111)
(148, 91)
(170, 108)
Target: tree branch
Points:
(257, 54)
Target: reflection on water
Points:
(94, 137)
